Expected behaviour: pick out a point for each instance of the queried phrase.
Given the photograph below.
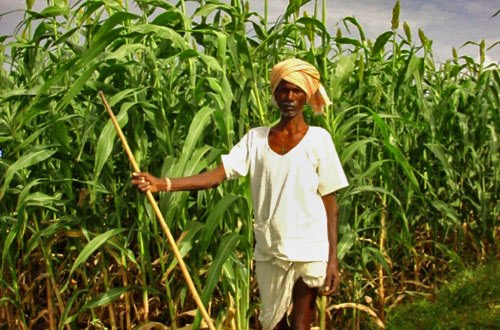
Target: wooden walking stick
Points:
(160, 218)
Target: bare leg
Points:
(282, 325)
(304, 301)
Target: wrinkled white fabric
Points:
(276, 278)
(290, 217)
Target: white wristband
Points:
(169, 184)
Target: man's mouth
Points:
(287, 105)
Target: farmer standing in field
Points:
(294, 171)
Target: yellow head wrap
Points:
(303, 75)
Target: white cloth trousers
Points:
(276, 278)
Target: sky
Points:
(448, 23)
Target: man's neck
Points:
(293, 124)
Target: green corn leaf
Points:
(4, 301)
(198, 124)
(114, 20)
(106, 297)
(455, 258)
(354, 147)
(25, 161)
(209, 8)
(344, 69)
(65, 319)
(106, 140)
(348, 41)
(372, 189)
(124, 51)
(11, 236)
(226, 248)
(37, 238)
(370, 254)
(187, 54)
(359, 27)
(169, 17)
(122, 95)
(381, 42)
(125, 252)
(373, 169)
(93, 245)
(162, 32)
(50, 11)
(77, 86)
(314, 22)
(187, 242)
(215, 217)
(345, 244)
(446, 211)
(61, 133)
(404, 164)
(198, 161)
(101, 39)
(26, 191)
(211, 62)
(441, 154)
(40, 200)
(87, 8)
(344, 123)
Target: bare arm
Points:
(210, 179)
(332, 271)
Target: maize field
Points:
(81, 247)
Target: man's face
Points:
(290, 98)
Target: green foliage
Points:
(418, 140)
(469, 301)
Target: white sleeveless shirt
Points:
(290, 217)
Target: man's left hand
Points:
(332, 278)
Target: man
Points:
(294, 170)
